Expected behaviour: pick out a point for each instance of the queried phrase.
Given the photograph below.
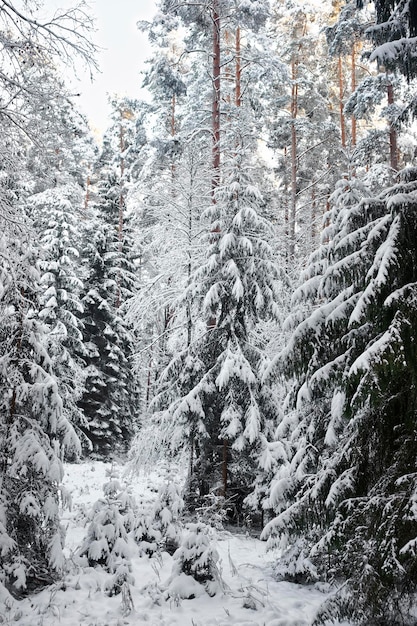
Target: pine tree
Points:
(346, 40)
(302, 128)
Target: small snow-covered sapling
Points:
(197, 558)
(107, 542)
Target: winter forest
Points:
(208, 320)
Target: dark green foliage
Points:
(110, 398)
(352, 478)
(110, 402)
(393, 36)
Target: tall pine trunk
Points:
(393, 145)
(353, 89)
(341, 90)
(293, 203)
(215, 117)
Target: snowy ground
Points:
(250, 596)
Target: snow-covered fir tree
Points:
(57, 216)
(166, 514)
(345, 495)
(110, 399)
(112, 174)
(109, 542)
(158, 527)
(221, 409)
(195, 558)
(33, 431)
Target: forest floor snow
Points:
(250, 596)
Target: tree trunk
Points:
(342, 117)
(215, 117)
(313, 231)
(294, 112)
(173, 121)
(224, 468)
(353, 88)
(393, 146)
(149, 382)
(238, 86)
(173, 130)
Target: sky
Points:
(124, 50)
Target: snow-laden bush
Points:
(145, 535)
(159, 527)
(196, 558)
(213, 511)
(167, 511)
(108, 542)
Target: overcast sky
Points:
(125, 49)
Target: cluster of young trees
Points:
(144, 285)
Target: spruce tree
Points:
(110, 398)
(222, 409)
(195, 557)
(110, 401)
(344, 494)
(349, 477)
(57, 214)
(33, 432)
(108, 542)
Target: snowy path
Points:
(250, 595)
